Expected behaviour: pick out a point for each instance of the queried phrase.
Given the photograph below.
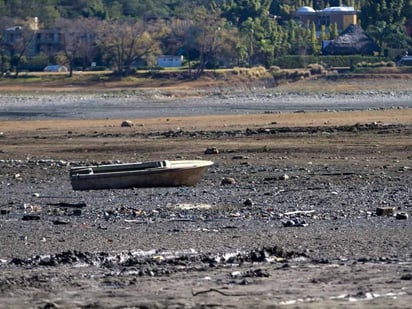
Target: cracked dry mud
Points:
(212, 245)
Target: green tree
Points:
(334, 33)
(407, 12)
(374, 11)
(314, 43)
(389, 35)
(247, 30)
(238, 11)
(71, 9)
(324, 35)
(206, 35)
(280, 41)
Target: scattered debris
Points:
(402, 216)
(284, 177)
(250, 273)
(385, 211)
(298, 212)
(68, 205)
(127, 124)
(248, 202)
(297, 222)
(30, 217)
(77, 212)
(60, 222)
(228, 181)
(193, 206)
(407, 277)
(240, 158)
(212, 150)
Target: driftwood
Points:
(298, 212)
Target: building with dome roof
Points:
(305, 10)
(342, 16)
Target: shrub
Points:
(274, 68)
(316, 68)
(96, 68)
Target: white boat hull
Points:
(136, 175)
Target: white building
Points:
(169, 61)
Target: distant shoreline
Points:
(122, 100)
(143, 105)
(204, 86)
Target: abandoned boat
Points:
(134, 175)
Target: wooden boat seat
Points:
(119, 167)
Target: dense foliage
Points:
(209, 33)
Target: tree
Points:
(211, 36)
(238, 11)
(5, 22)
(45, 10)
(334, 33)
(79, 39)
(88, 44)
(314, 43)
(248, 35)
(407, 12)
(18, 41)
(389, 35)
(127, 41)
(74, 9)
(374, 11)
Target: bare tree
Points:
(5, 22)
(17, 40)
(126, 42)
(79, 39)
(88, 42)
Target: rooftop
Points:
(307, 10)
(338, 9)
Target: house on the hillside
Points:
(353, 40)
(342, 16)
(42, 40)
(48, 41)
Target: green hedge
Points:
(294, 62)
(36, 63)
